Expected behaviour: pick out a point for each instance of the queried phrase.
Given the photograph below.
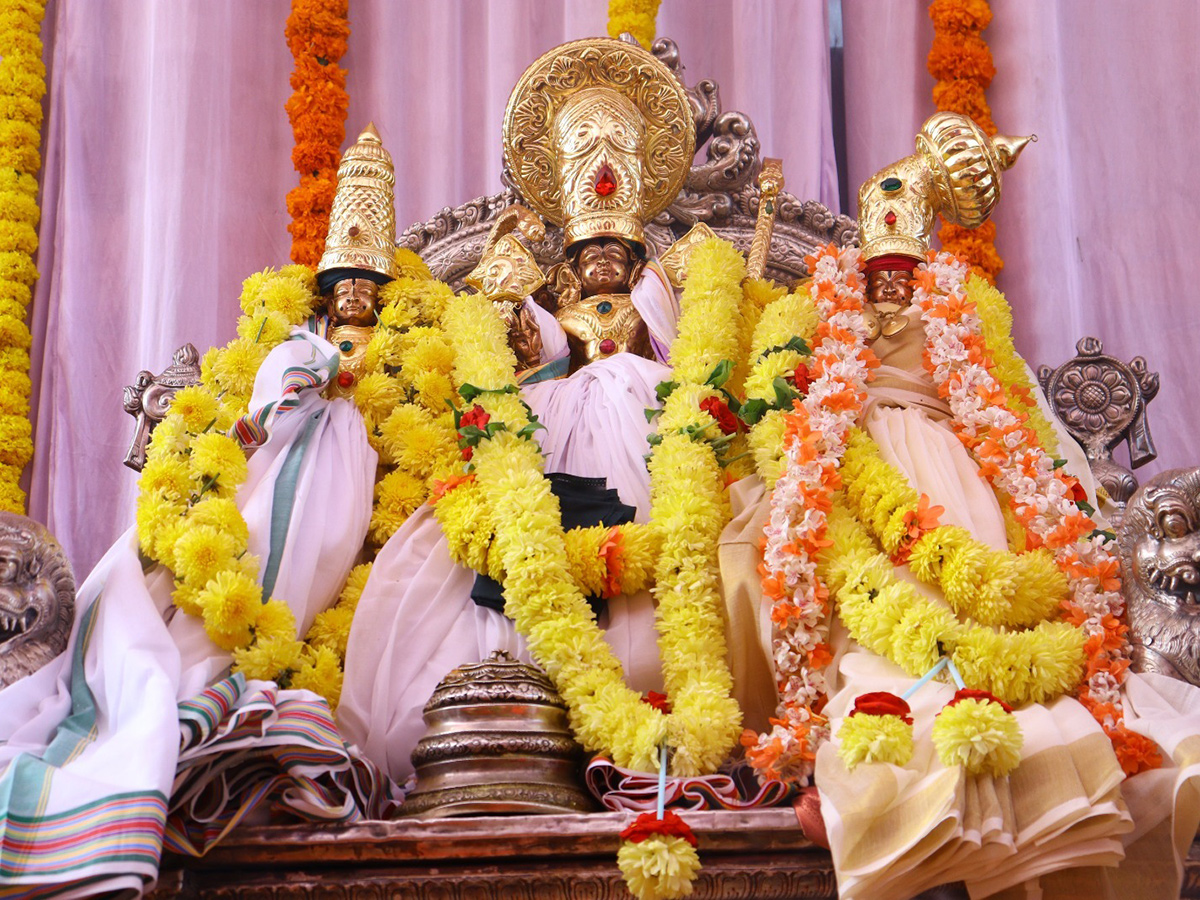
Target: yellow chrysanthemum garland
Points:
(988, 586)
(996, 322)
(635, 16)
(779, 350)
(543, 597)
(187, 518)
(22, 86)
(689, 508)
(890, 617)
(603, 562)
(202, 538)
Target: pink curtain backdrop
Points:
(168, 160)
(1092, 223)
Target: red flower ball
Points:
(972, 694)
(658, 701)
(647, 826)
(882, 703)
(726, 420)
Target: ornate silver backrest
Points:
(722, 192)
(1159, 540)
(1102, 401)
(150, 395)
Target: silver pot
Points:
(498, 742)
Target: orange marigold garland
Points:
(316, 32)
(635, 16)
(22, 86)
(962, 63)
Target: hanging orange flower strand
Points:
(317, 31)
(962, 63)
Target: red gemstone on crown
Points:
(606, 181)
(608, 345)
(890, 218)
(345, 379)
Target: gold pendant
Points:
(891, 318)
(872, 320)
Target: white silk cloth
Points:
(416, 620)
(88, 744)
(1065, 817)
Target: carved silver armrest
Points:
(1102, 401)
(149, 398)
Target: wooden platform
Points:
(756, 854)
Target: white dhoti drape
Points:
(89, 744)
(416, 620)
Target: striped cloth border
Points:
(125, 828)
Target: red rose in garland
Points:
(719, 410)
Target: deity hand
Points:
(525, 338)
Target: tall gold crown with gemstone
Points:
(955, 172)
(362, 223)
(598, 138)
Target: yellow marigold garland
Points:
(991, 587)
(635, 16)
(187, 519)
(544, 598)
(778, 371)
(22, 86)
(690, 507)
(316, 31)
(997, 320)
(962, 63)
(603, 562)
(890, 617)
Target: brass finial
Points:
(1009, 148)
(770, 183)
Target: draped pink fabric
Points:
(167, 163)
(168, 160)
(1092, 223)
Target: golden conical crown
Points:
(955, 172)
(362, 223)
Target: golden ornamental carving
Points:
(603, 325)
(674, 261)
(362, 223)
(598, 138)
(507, 272)
(955, 172)
(352, 361)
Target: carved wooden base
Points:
(756, 854)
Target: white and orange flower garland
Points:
(1043, 495)
(814, 441)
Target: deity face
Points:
(353, 302)
(605, 266)
(890, 286)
